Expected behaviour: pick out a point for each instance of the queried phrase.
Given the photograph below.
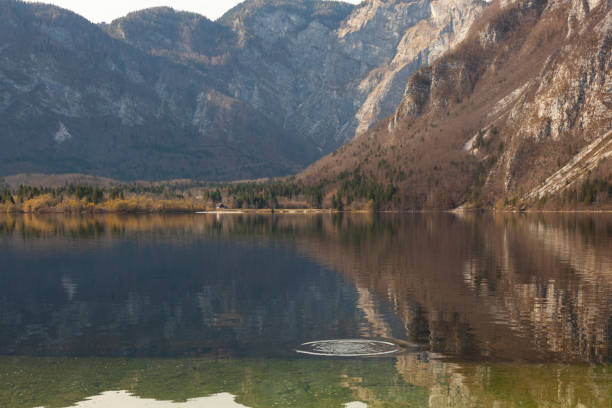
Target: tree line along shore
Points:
(353, 192)
(158, 198)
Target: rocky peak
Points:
(271, 20)
(164, 31)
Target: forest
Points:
(348, 192)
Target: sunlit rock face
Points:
(437, 26)
(264, 91)
(335, 73)
(521, 108)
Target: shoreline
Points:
(304, 211)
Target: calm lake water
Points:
(209, 310)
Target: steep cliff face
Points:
(437, 26)
(519, 110)
(286, 67)
(320, 71)
(332, 71)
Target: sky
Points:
(105, 11)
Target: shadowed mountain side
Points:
(75, 100)
(182, 36)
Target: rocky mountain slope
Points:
(323, 71)
(518, 113)
(269, 88)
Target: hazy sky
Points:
(106, 11)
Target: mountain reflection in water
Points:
(512, 309)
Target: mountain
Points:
(264, 91)
(334, 70)
(76, 100)
(518, 113)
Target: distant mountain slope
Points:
(266, 90)
(520, 110)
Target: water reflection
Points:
(136, 298)
(508, 287)
(504, 310)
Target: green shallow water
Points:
(405, 381)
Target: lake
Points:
(482, 310)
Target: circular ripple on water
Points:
(348, 348)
